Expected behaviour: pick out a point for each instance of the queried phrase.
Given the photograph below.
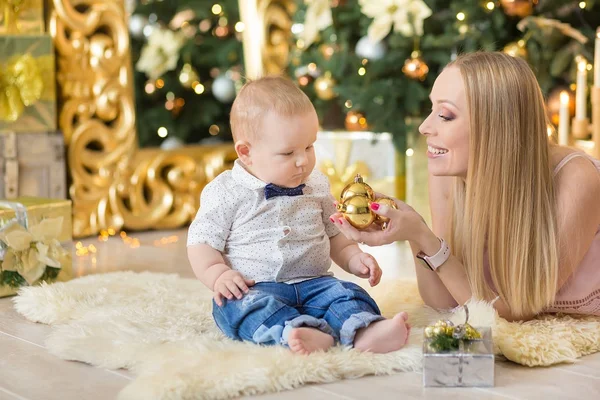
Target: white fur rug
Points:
(160, 327)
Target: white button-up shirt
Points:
(283, 239)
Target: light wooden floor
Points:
(28, 371)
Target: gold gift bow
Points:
(28, 251)
(22, 84)
(340, 173)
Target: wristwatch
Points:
(436, 260)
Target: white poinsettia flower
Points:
(404, 16)
(29, 252)
(44, 256)
(47, 230)
(417, 13)
(26, 263)
(161, 53)
(16, 237)
(318, 17)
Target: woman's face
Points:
(447, 128)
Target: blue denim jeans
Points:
(270, 310)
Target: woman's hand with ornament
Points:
(404, 224)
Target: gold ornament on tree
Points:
(327, 50)
(188, 77)
(324, 86)
(518, 8)
(356, 121)
(305, 80)
(415, 67)
(516, 49)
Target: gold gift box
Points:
(25, 17)
(39, 209)
(340, 155)
(27, 78)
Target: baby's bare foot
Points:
(308, 340)
(384, 336)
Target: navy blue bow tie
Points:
(272, 190)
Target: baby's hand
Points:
(364, 265)
(230, 283)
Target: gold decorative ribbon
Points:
(21, 85)
(30, 250)
(340, 173)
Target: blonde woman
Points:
(515, 218)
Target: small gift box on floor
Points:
(457, 356)
(35, 242)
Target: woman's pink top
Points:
(581, 293)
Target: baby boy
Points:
(263, 240)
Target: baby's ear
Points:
(242, 148)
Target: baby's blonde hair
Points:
(256, 98)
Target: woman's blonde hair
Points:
(506, 207)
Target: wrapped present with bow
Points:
(27, 84)
(341, 155)
(458, 355)
(24, 17)
(35, 243)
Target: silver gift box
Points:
(472, 365)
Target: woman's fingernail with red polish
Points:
(332, 220)
(341, 221)
(375, 206)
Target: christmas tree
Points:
(370, 64)
(187, 58)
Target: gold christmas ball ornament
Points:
(188, 76)
(429, 331)
(438, 330)
(553, 103)
(380, 219)
(471, 333)
(305, 80)
(327, 50)
(357, 188)
(415, 67)
(357, 212)
(356, 121)
(324, 87)
(516, 49)
(518, 8)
